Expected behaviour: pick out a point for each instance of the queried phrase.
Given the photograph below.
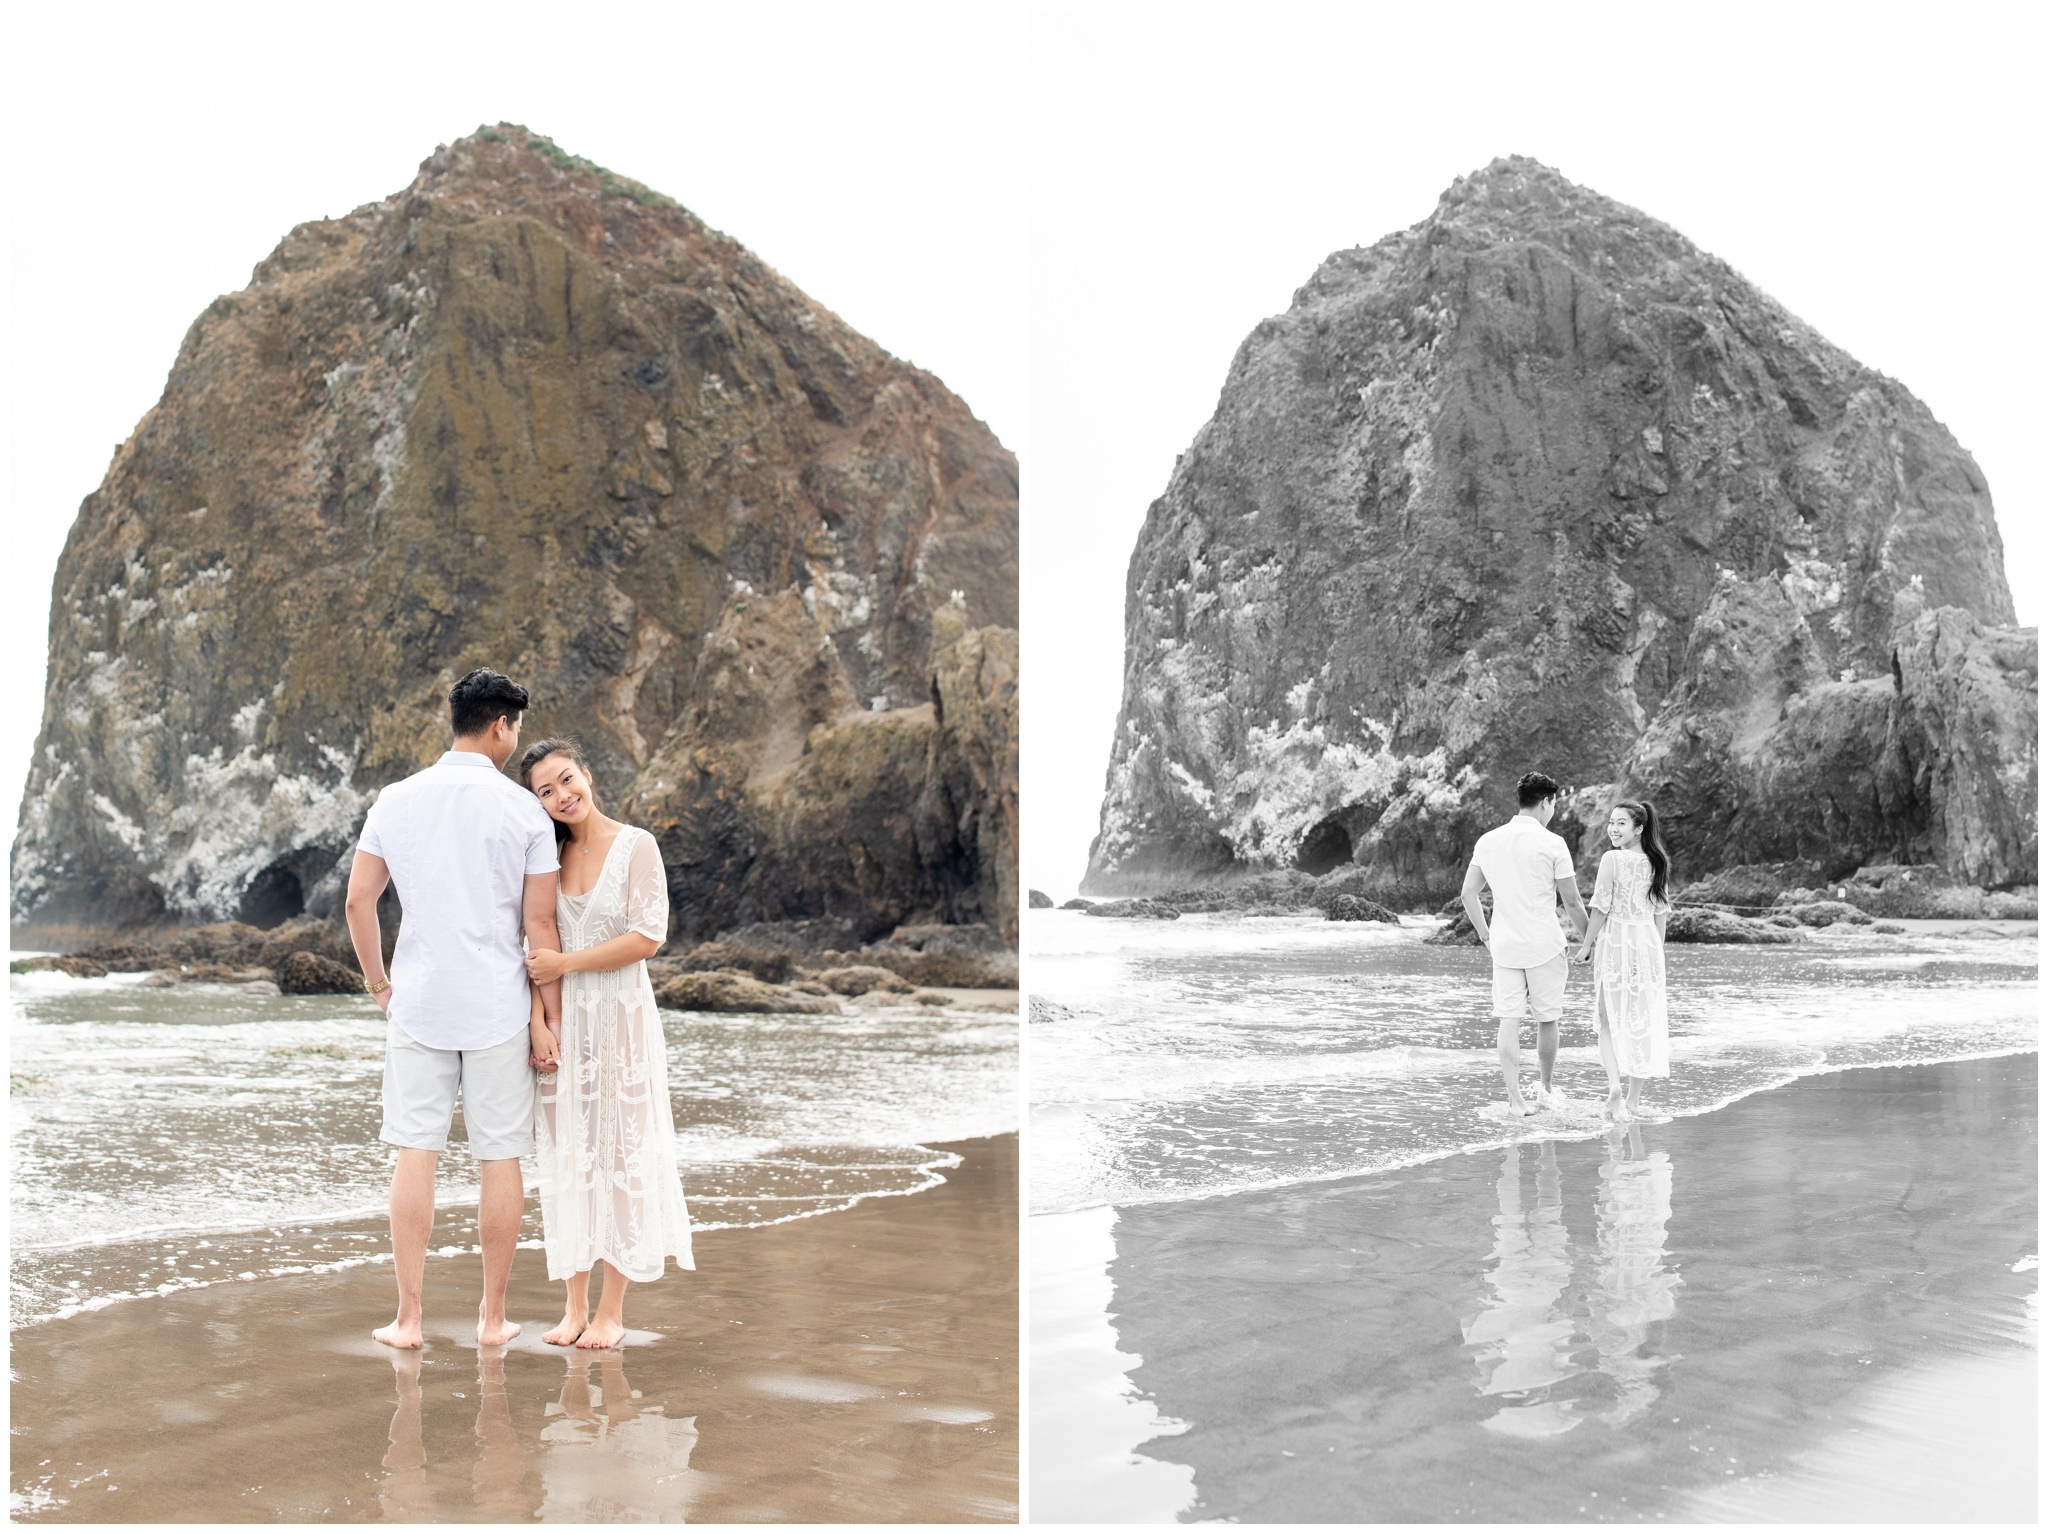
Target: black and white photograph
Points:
(1531, 572)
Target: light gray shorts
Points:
(495, 1084)
(1537, 992)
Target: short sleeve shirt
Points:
(1522, 862)
(460, 839)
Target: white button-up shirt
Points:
(460, 839)
(1522, 862)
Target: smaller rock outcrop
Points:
(308, 974)
(1755, 886)
(859, 979)
(1040, 901)
(731, 991)
(1702, 924)
(1357, 908)
(60, 964)
(1824, 913)
(1136, 910)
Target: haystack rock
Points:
(1539, 484)
(529, 414)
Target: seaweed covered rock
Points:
(308, 974)
(1136, 910)
(1824, 913)
(1702, 924)
(74, 965)
(1755, 886)
(1355, 908)
(769, 965)
(859, 979)
(730, 991)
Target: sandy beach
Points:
(1817, 1302)
(856, 1366)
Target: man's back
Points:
(1522, 862)
(460, 839)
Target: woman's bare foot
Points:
(602, 1333)
(400, 1334)
(570, 1328)
(1612, 1111)
(491, 1333)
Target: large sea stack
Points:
(529, 414)
(1538, 484)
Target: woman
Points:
(1630, 908)
(609, 1189)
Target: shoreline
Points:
(859, 1365)
(1746, 1313)
(1530, 1132)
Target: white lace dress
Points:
(1628, 965)
(609, 1186)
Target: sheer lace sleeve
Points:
(646, 889)
(1603, 884)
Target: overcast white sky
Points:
(1071, 218)
(1878, 175)
(872, 154)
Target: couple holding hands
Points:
(1528, 869)
(554, 1047)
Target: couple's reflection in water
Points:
(603, 1454)
(1562, 1337)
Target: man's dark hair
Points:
(476, 702)
(1534, 788)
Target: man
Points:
(473, 857)
(1528, 868)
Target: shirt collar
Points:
(466, 759)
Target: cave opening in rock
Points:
(1327, 846)
(273, 897)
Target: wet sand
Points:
(858, 1366)
(1814, 1304)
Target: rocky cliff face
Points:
(1538, 484)
(528, 414)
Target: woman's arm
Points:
(1592, 936)
(544, 967)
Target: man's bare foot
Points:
(400, 1334)
(491, 1333)
(602, 1333)
(568, 1331)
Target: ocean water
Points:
(1217, 1054)
(162, 1139)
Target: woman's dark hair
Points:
(481, 698)
(1645, 817)
(1534, 788)
(539, 752)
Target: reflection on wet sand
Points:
(1522, 1331)
(856, 1367)
(610, 1459)
(1635, 1289)
(405, 1496)
(1527, 1337)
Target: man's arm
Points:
(539, 915)
(1475, 886)
(368, 877)
(1574, 907)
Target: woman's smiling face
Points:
(1621, 828)
(561, 787)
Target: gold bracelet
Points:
(379, 988)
